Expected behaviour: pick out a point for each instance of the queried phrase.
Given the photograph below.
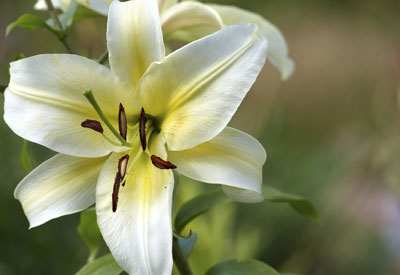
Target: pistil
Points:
(90, 97)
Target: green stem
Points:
(56, 20)
(180, 261)
(110, 141)
(90, 97)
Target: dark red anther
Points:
(92, 124)
(122, 165)
(122, 122)
(161, 164)
(117, 183)
(142, 129)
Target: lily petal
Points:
(58, 4)
(233, 159)
(166, 4)
(44, 102)
(188, 21)
(100, 6)
(139, 232)
(134, 38)
(59, 186)
(196, 89)
(277, 47)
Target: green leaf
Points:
(105, 265)
(83, 13)
(31, 22)
(2, 88)
(18, 57)
(90, 232)
(302, 205)
(198, 206)
(25, 158)
(249, 267)
(187, 245)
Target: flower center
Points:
(142, 132)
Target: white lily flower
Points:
(170, 112)
(191, 20)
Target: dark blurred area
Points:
(331, 132)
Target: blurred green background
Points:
(331, 132)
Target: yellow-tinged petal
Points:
(233, 159)
(60, 186)
(100, 6)
(134, 38)
(195, 90)
(44, 102)
(188, 21)
(139, 232)
(163, 5)
(277, 47)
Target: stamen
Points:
(117, 182)
(122, 122)
(161, 164)
(142, 129)
(122, 165)
(92, 124)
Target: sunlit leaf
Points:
(25, 157)
(31, 22)
(302, 205)
(187, 245)
(105, 265)
(90, 232)
(249, 267)
(198, 206)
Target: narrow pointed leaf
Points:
(25, 157)
(233, 267)
(198, 206)
(31, 22)
(187, 245)
(202, 203)
(90, 233)
(105, 265)
(302, 205)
